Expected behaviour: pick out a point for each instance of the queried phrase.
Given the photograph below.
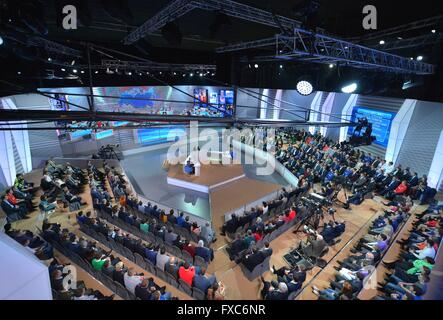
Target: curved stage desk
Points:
(211, 176)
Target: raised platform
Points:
(211, 177)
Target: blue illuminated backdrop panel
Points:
(152, 136)
(381, 123)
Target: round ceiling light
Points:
(304, 87)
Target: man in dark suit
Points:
(230, 226)
(274, 291)
(139, 247)
(391, 186)
(292, 283)
(250, 261)
(266, 250)
(413, 181)
(237, 246)
(73, 245)
(143, 291)
(129, 243)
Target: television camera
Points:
(108, 152)
(316, 205)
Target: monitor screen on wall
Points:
(201, 97)
(381, 123)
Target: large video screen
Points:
(381, 123)
(206, 101)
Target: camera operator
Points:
(314, 245)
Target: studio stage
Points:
(150, 181)
(211, 176)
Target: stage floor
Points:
(211, 176)
(150, 180)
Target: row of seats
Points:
(144, 263)
(279, 231)
(152, 239)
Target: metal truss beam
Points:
(245, 12)
(325, 49)
(135, 65)
(172, 11)
(55, 47)
(178, 8)
(318, 48)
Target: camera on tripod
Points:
(314, 204)
(108, 152)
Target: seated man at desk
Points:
(189, 168)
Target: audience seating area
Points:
(409, 273)
(178, 251)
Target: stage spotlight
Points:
(281, 66)
(63, 69)
(382, 42)
(331, 65)
(75, 70)
(407, 85)
(1, 40)
(49, 59)
(419, 58)
(191, 74)
(19, 72)
(83, 71)
(305, 88)
(96, 71)
(256, 66)
(72, 62)
(434, 31)
(412, 83)
(350, 88)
